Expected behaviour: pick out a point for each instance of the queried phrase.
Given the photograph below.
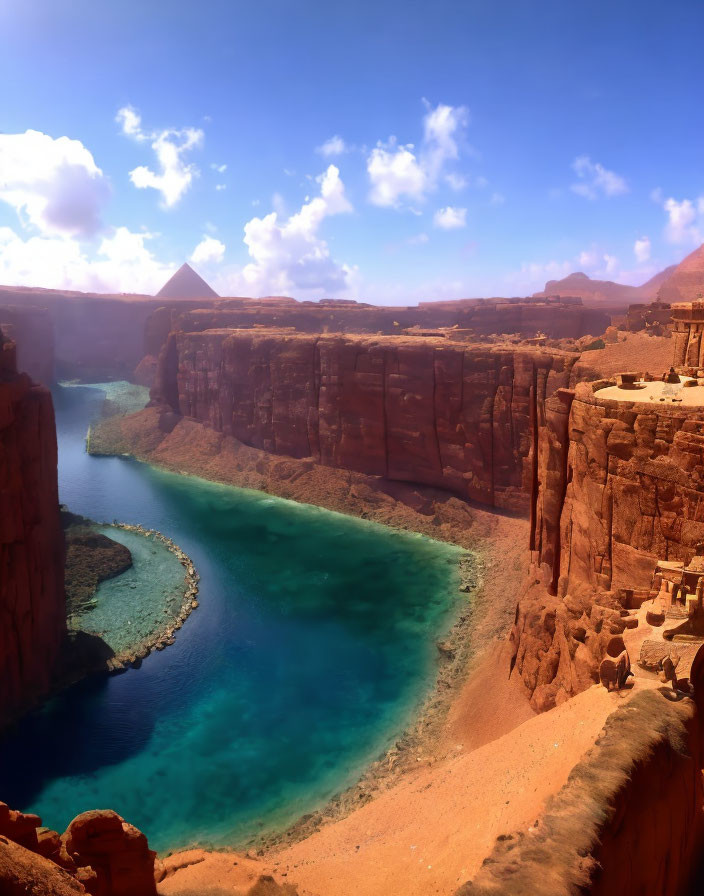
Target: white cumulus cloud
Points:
(594, 180)
(122, 262)
(208, 251)
(450, 218)
(52, 184)
(641, 249)
(175, 176)
(288, 254)
(397, 171)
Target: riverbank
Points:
(469, 677)
(175, 611)
(477, 762)
(127, 601)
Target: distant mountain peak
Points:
(605, 293)
(186, 284)
(686, 282)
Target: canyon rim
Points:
(351, 449)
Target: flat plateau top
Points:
(658, 392)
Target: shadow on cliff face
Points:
(65, 736)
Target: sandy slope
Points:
(431, 832)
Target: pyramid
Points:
(686, 284)
(186, 284)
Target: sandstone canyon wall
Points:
(633, 490)
(619, 485)
(426, 411)
(555, 318)
(107, 336)
(32, 611)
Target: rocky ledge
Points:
(164, 635)
(110, 632)
(99, 853)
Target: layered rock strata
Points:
(32, 605)
(619, 486)
(555, 318)
(633, 489)
(431, 412)
(109, 336)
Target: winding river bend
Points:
(313, 645)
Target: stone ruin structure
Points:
(616, 521)
(688, 327)
(678, 589)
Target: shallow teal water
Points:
(313, 645)
(130, 608)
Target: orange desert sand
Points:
(431, 832)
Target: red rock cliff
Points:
(427, 411)
(555, 318)
(32, 611)
(635, 484)
(619, 485)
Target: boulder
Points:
(116, 851)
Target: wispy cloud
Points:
(685, 221)
(594, 180)
(641, 249)
(170, 145)
(334, 146)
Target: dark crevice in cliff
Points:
(316, 390)
(492, 404)
(566, 478)
(534, 481)
(435, 417)
(385, 419)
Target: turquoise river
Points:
(313, 646)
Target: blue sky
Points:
(482, 147)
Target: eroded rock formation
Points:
(619, 486)
(425, 411)
(635, 485)
(32, 609)
(99, 853)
